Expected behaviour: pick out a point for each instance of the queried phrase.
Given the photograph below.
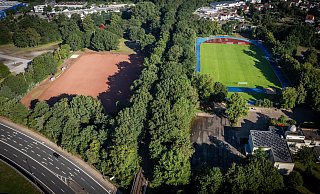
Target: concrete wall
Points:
(284, 168)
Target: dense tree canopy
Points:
(236, 108)
(103, 40)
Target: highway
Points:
(55, 174)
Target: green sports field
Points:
(230, 64)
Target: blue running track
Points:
(277, 71)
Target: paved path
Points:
(34, 154)
(15, 60)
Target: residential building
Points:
(309, 19)
(275, 146)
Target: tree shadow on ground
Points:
(56, 99)
(303, 114)
(118, 94)
(215, 154)
(262, 64)
(133, 45)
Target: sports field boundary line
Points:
(283, 81)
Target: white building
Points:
(276, 147)
(226, 4)
(298, 138)
(39, 8)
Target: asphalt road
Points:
(56, 175)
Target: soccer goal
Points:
(242, 83)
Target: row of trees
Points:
(304, 74)
(14, 86)
(28, 31)
(255, 175)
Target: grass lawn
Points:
(250, 96)
(230, 64)
(28, 52)
(12, 182)
(123, 48)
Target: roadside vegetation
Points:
(13, 182)
(153, 131)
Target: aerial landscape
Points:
(159, 96)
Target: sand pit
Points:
(106, 76)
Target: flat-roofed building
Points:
(276, 147)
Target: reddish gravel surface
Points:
(106, 76)
(227, 41)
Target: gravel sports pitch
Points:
(233, 63)
(106, 76)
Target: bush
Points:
(295, 179)
(4, 71)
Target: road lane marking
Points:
(75, 173)
(43, 174)
(62, 190)
(30, 174)
(57, 167)
(14, 141)
(50, 163)
(62, 163)
(9, 135)
(82, 178)
(2, 130)
(32, 151)
(38, 155)
(63, 172)
(92, 187)
(9, 138)
(44, 159)
(50, 159)
(2, 135)
(54, 150)
(33, 167)
(70, 173)
(20, 144)
(29, 146)
(24, 150)
(25, 141)
(15, 155)
(35, 143)
(69, 168)
(53, 182)
(44, 163)
(19, 138)
(44, 151)
(5, 149)
(38, 148)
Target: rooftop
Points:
(311, 134)
(270, 139)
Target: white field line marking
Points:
(31, 174)
(61, 156)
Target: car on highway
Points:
(56, 155)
